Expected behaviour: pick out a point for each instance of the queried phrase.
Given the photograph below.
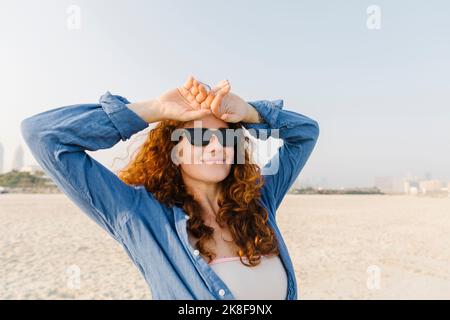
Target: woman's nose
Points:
(214, 143)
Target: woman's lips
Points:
(217, 161)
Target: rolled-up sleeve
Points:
(299, 134)
(58, 139)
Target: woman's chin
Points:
(215, 172)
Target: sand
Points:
(342, 246)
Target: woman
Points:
(196, 222)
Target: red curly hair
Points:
(240, 209)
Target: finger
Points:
(201, 96)
(216, 103)
(227, 87)
(188, 84)
(194, 88)
(208, 88)
(183, 91)
(224, 89)
(209, 99)
(220, 85)
(192, 101)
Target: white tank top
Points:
(266, 281)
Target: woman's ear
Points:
(176, 155)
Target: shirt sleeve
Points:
(299, 134)
(58, 139)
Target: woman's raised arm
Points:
(299, 134)
(58, 139)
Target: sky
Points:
(381, 96)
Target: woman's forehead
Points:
(209, 121)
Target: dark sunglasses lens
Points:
(201, 137)
(195, 137)
(227, 138)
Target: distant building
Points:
(17, 163)
(2, 155)
(431, 186)
(413, 191)
(390, 184)
(411, 187)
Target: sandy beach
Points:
(342, 246)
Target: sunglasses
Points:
(201, 137)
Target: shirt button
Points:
(222, 292)
(186, 216)
(196, 252)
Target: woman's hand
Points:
(229, 107)
(183, 103)
(192, 101)
(189, 102)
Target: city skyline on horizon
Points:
(315, 182)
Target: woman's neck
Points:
(206, 194)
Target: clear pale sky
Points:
(381, 97)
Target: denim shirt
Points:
(152, 234)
